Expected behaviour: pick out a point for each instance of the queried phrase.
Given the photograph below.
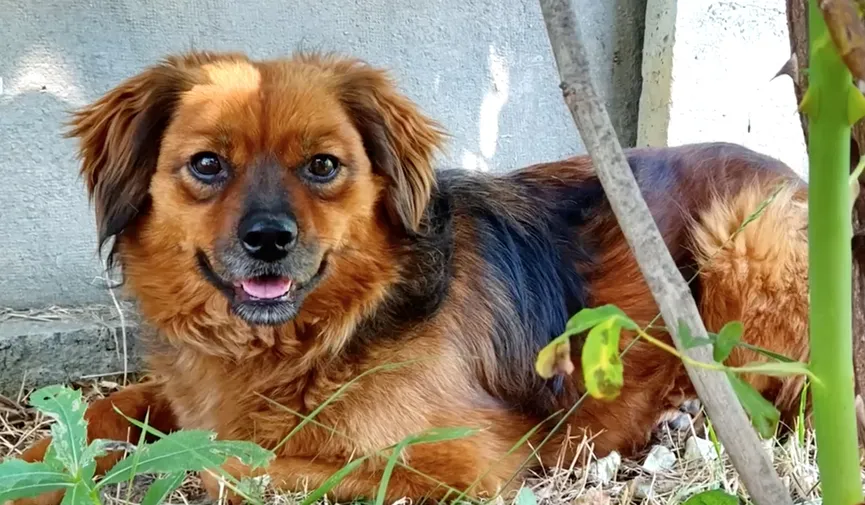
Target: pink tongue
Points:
(266, 288)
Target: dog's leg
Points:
(103, 422)
(436, 471)
(296, 474)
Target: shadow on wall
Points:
(623, 101)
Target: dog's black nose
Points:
(268, 237)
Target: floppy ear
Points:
(119, 139)
(400, 141)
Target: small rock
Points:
(604, 470)
(643, 489)
(594, 497)
(659, 459)
(700, 449)
(691, 407)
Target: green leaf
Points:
(332, 481)
(96, 449)
(21, 479)
(766, 352)
(388, 470)
(764, 416)
(441, 435)
(52, 460)
(249, 453)
(526, 497)
(162, 488)
(728, 337)
(714, 438)
(591, 317)
(688, 340)
(555, 357)
(69, 431)
(855, 104)
(713, 497)
(80, 494)
(188, 450)
(602, 367)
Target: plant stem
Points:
(748, 367)
(826, 104)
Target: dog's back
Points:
(536, 245)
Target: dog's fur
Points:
(461, 277)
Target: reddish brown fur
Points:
(213, 371)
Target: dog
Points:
(287, 238)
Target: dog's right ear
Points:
(119, 140)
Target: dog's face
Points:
(251, 181)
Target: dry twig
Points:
(667, 285)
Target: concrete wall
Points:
(708, 71)
(482, 67)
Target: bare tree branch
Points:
(667, 285)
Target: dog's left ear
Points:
(400, 140)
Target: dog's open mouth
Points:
(266, 288)
(265, 299)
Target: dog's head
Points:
(240, 185)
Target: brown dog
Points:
(283, 230)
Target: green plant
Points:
(832, 104)
(713, 497)
(603, 370)
(70, 463)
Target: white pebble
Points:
(659, 459)
(604, 470)
(700, 449)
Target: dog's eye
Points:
(323, 167)
(207, 166)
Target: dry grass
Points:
(568, 483)
(56, 313)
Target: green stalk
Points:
(827, 104)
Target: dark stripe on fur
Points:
(526, 233)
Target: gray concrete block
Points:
(57, 346)
(708, 72)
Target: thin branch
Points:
(668, 287)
